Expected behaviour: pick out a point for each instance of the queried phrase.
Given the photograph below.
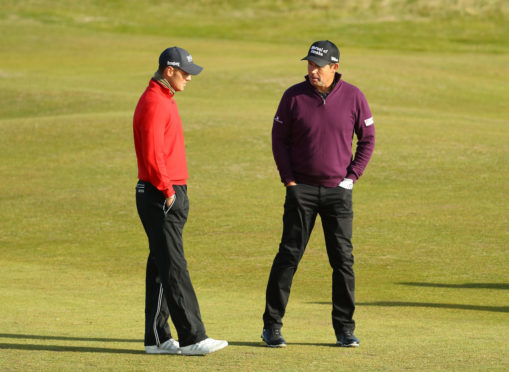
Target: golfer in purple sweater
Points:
(312, 144)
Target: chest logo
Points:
(278, 120)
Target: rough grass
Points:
(431, 230)
(446, 26)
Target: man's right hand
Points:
(291, 183)
(169, 201)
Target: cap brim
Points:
(318, 61)
(192, 69)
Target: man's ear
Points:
(168, 72)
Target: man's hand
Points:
(170, 200)
(291, 183)
(347, 184)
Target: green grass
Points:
(431, 229)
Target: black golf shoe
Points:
(347, 339)
(273, 337)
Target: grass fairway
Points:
(431, 231)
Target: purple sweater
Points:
(312, 136)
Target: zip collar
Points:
(335, 84)
(162, 81)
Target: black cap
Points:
(178, 57)
(322, 53)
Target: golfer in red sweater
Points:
(163, 206)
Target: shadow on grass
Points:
(247, 343)
(464, 285)
(89, 349)
(60, 348)
(78, 349)
(262, 345)
(495, 309)
(67, 338)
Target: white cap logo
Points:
(318, 51)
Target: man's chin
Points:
(315, 83)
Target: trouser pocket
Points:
(166, 207)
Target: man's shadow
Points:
(500, 286)
(488, 286)
(59, 348)
(91, 349)
(87, 349)
(79, 349)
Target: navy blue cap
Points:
(178, 57)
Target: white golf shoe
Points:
(207, 346)
(168, 347)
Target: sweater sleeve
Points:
(281, 140)
(365, 132)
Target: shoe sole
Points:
(273, 345)
(348, 345)
(195, 353)
(161, 351)
(276, 346)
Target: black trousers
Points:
(169, 291)
(302, 204)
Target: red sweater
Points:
(159, 139)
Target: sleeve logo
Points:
(369, 121)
